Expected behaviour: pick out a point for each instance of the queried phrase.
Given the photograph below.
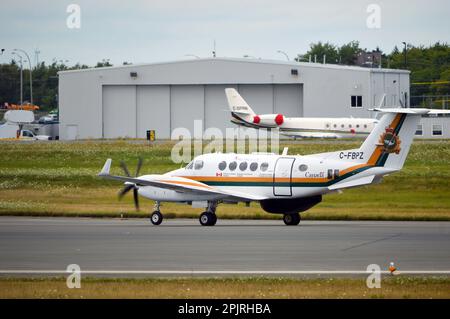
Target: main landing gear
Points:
(209, 217)
(291, 219)
(156, 217)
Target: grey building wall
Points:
(109, 103)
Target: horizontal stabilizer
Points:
(418, 111)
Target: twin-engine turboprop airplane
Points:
(313, 127)
(282, 184)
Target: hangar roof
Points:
(247, 60)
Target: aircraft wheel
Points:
(291, 219)
(156, 218)
(208, 219)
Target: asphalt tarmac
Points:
(183, 246)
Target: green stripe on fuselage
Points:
(286, 184)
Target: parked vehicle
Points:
(28, 135)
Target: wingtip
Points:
(106, 168)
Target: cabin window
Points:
(253, 166)
(357, 125)
(243, 166)
(437, 130)
(334, 125)
(336, 173)
(303, 167)
(330, 174)
(232, 166)
(342, 125)
(365, 125)
(419, 130)
(222, 165)
(198, 164)
(350, 126)
(264, 166)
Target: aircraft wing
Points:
(353, 183)
(179, 184)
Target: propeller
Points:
(131, 186)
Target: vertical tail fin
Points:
(389, 142)
(237, 104)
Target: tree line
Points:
(429, 66)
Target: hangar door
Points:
(153, 110)
(119, 111)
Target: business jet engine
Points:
(271, 120)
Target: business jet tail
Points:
(237, 104)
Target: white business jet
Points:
(309, 127)
(282, 184)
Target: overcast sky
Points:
(154, 30)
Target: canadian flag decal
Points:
(218, 174)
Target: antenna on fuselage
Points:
(285, 151)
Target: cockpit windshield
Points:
(190, 165)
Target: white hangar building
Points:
(126, 101)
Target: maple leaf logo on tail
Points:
(390, 141)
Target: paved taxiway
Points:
(243, 245)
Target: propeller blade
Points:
(125, 190)
(125, 168)
(139, 165)
(136, 198)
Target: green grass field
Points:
(59, 179)
(261, 288)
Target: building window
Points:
(437, 130)
(419, 130)
(356, 100)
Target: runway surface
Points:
(232, 245)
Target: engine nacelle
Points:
(271, 120)
(290, 205)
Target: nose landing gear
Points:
(156, 217)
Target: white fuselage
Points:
(267, 175)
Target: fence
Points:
(431, 101)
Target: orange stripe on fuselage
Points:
(184, 183)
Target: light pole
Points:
(31, 72)
(21, 77)
(404, 43)
(284, 53)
